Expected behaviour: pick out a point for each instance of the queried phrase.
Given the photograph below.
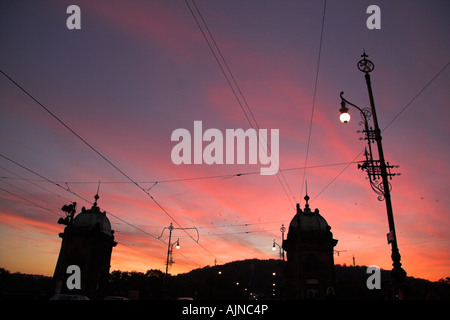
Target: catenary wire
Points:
(103, 157)
(416, 96)
(314, 97)
(225, 176)
(80, 197)
(231, 86)
(72, 192)
(32, 202)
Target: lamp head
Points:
(345, 116)
(178, 244)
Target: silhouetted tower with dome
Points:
(310, 263)
(87, 242)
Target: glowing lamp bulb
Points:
(345, 116)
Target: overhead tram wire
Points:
(103, 157)
(416, 96)
(141, 230)
(83, 140)
(80, 197)
(225, 176)
(33, 182)
(314, 97)
(232, 88)
(73, 193)
(227, 67)
(30, 194)
(109, 213)
(337, 176)
(60, 185)
(217, 60)
(32, 202)
(243, 98)
(226, 225)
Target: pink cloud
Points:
(150, 23)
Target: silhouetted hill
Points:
(257, 276)
(234, 280)
(351, 284)
(24, 286)
(253, 278)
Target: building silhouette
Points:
(310, 263)
(87, 242)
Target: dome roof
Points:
(309, 220)
(93, 219)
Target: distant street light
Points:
(170, 249)
(281, 253)
(170, 245)
(376, 169)
(282, 230)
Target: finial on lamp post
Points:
(365, 65)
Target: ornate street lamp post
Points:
(274, 247)
(376, 169)
(170, 245)
(282, 230)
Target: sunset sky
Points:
(138, 70)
